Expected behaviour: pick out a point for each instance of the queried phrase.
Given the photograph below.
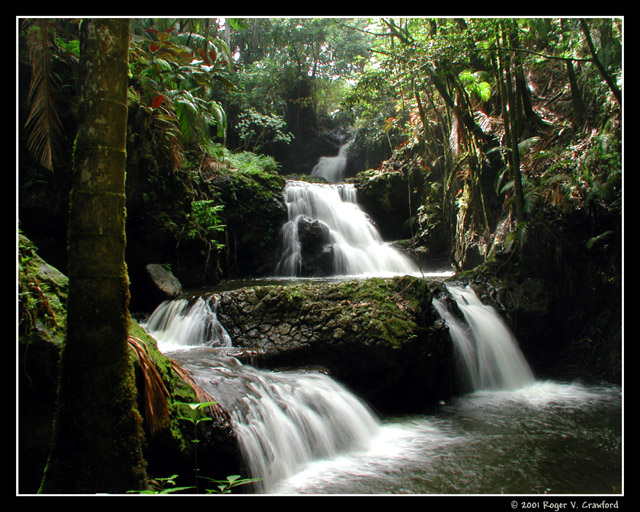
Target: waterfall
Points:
(486, 348)
(283, 420)
(350, 243)
(332, 168)
(287, 420)
(184, 323)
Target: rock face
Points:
(379, 337)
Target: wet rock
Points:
(316, 247)
(380, 337)
(156, 284)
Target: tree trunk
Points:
(579, 109)
(96, 445)
(510, 125)
(594, 57)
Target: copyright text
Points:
(566, 505)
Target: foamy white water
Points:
(304, 433)
(356, 244)
(544, 438)
(184, 323)
(284, 421)
(486, 346)
(332, 168)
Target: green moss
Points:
(42, 296)
(42, 334)
(367, 311)
(381, 308)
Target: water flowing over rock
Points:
(353, 245)
(285, 420)
(308, 371)
(381, 337)
(488, 352)
(332, 168)
(337, 348)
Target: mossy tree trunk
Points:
(96, 445)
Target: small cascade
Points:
(332, 168)
(345, 238)
(184, 323)
(287, 420)
(487, 350)
(301, 432)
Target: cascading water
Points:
(486, 347)
(286, 420)
(303, 433)
(184, 323)
(332, 168)
(352, 245)
(283, 420)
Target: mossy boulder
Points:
(254, 213)
(391, 197)
(380, 337)
(42, 293)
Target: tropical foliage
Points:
(505, 115)
(506, 132)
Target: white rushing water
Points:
(283, 420)
(304, 433)
(358, 249)
(545, 438)
(487, 349)
(184, 323)
(332, 168)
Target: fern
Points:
(517, 239)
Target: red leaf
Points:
(157, 101)
(153, 47)
(203, 56)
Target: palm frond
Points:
(43, 126)
(156, 406)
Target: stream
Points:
(547, 438)
(304, 433)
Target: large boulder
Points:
(316, 247)
(162, 284)
(380, 337)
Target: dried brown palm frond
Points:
(156, 407)
(43, 126)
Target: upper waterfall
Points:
(328, 229)
(332, 168)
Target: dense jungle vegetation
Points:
(496, 116)
(491, 143)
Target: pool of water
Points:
(547, 438)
